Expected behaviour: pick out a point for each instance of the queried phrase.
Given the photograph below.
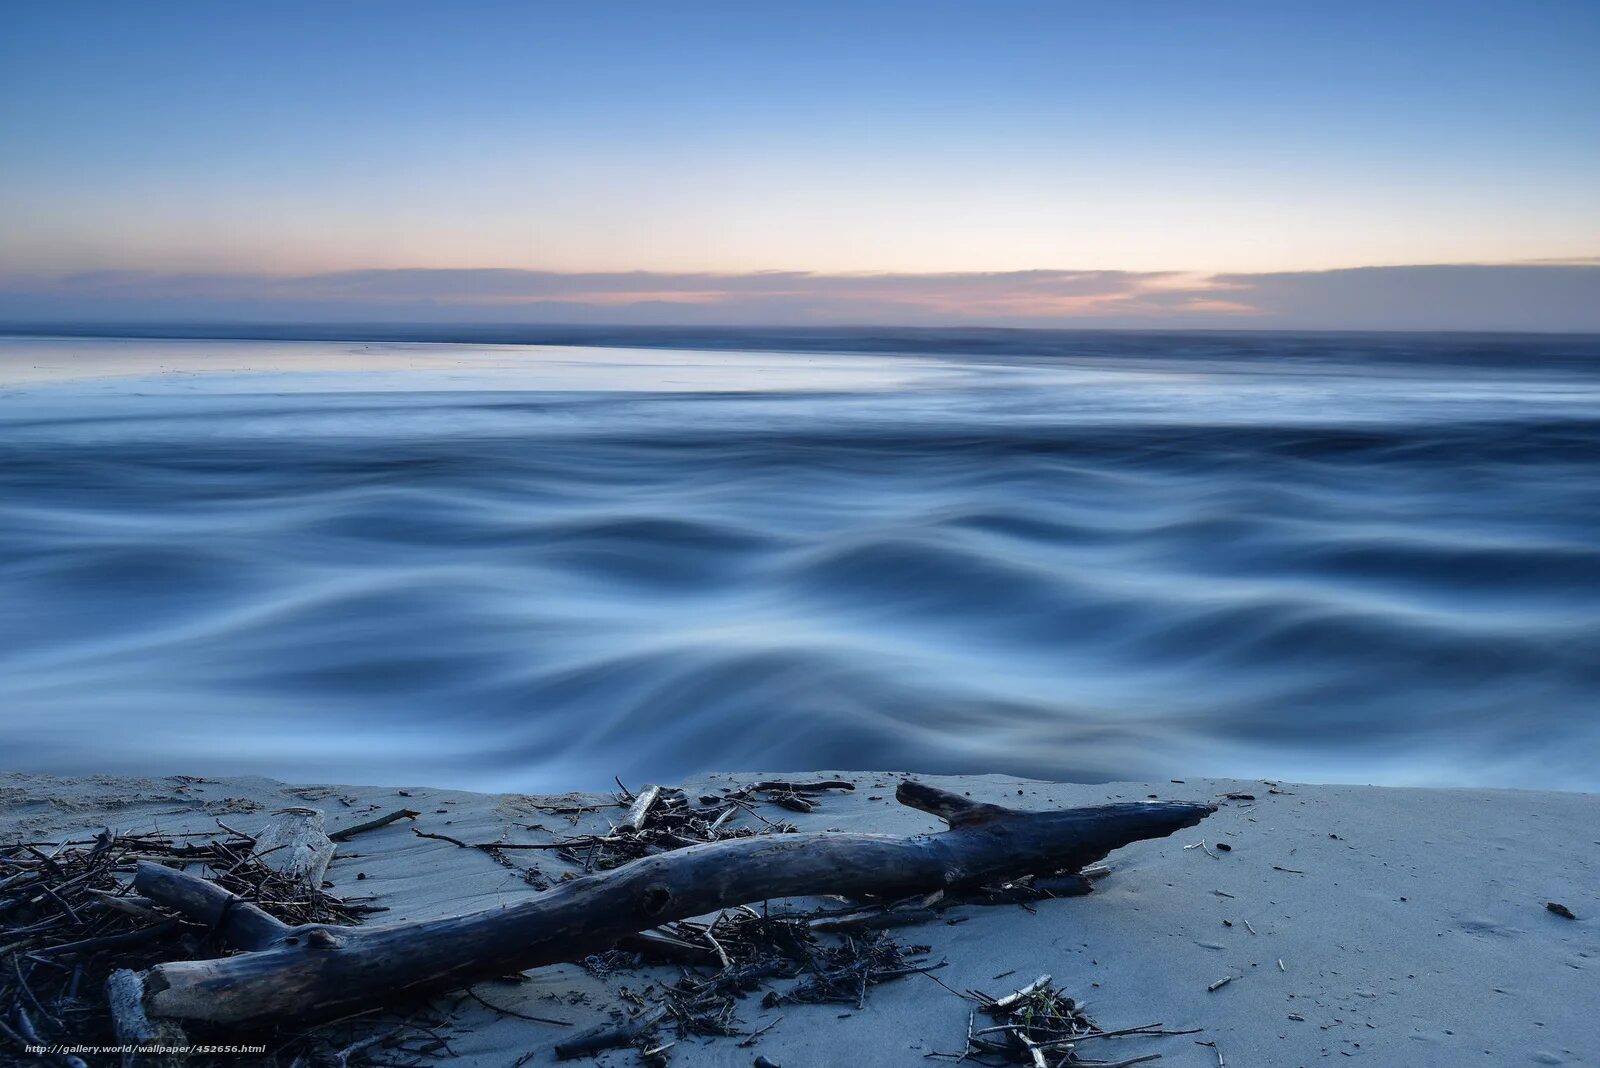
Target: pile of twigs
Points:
(840, 974)
(751, 947)
(824, 958)
(1040, 1026)
(794, 796)
(68, 918)
(661, 819)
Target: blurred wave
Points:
(1362, 569)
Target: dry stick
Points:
(318, 970)
(716, 824)
(1004, 1004)
(803, 787)
(25, 1025)
(947, 986)
(750, 1039)
(872, 920)
(473, 994)
(127, 938)
(12, 1035)
(640, 808)
(372, 825)
(1147, 1029)
(342, 1057)
(1221, 1062)
(237, 834)
(664, 945)
(748, 807)
(608, 1036)
(22, 983)
(60, 901)
(137, 907)
(722, 954)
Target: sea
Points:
(535, 561)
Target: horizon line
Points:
(370, 331)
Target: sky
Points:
(1139, 163)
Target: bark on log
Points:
(318, 970)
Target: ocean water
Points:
(1328, 558)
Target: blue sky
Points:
(182, 141)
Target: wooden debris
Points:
(295, 845)
(299, 975)
(820, 786)
(611, 1035)
(756, 950)
(795, 796)
(1559, 909)
(1004, 1005)
(71, 921)
(670, 821)
(371, 825)
(1038, 1025)
(99, 925)
(640, 808)
(872, 919)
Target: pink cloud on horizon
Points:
(1557, 297)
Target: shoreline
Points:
(1410, 922)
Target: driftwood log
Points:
(317, 970)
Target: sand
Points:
(1411, 924)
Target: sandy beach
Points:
(1398, 926)
(1171, 431)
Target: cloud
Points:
(1544, 296)
(1559, 296)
